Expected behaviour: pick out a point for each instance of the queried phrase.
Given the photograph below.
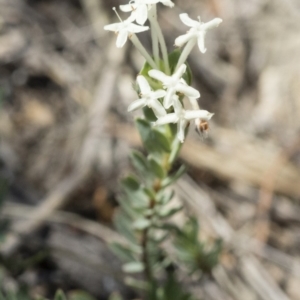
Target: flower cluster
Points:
(166, 103)
(197, 32)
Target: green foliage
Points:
(79, 295)
(194, 253)
(173, 59)
(172, 178)
(133, 267)
(153, 140)
(156, 168)
(171, 289)
(20, 295)
(123, 252)
(59, 295)
(144, 215)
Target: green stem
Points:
(145, 233)
(145, 259)
(155, 46)
(186, 52)
(136, 42)
(163, 46)
(176, 147)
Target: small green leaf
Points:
(145, 132)
(150, 193)
(133, 267)
(130, 183)
(140, 162)
(137, 284)
(123, 226)
(166, 212)
(59, 295)
(171, 179)
(153, 139)
(156, 168)
(161, 141)
(155, 84)
(148, 213)
(122, 252)
(127, 207)
(79, 295)
(137, 200)
(169, 227)
(144, 128)
(174, 290)
(149, 114)
(141, 224)
(165, 197)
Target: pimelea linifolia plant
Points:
(162, 86)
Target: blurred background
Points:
(65, 137)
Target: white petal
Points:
(181, 129)
(122, 38)
(182, 39)
(130, 19)
(169, 118)
(168, 100)
(150, 1)
(201, 45)
(141, 14)
(177, 105)
(143, 84)
(178, 74)
(158, 94)
(136, 104)
(212, 24)
(113, 27)
(158, 109)
(194, 103)
(127, 7)
(194, 114)
(136, 28)
(158, 75)
(188, 21)
(167, 3)
(187, 90)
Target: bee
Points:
(202, 127)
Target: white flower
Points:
(182, 117)
(166, 2)
(198, 31)
(174, 84)
(194, 103)
(148, 98)
(139, 9)
(124, 29)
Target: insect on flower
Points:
(202, 127)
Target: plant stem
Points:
(144, 244)
(155, 48)
(163, 46)
(136, 42)
(145, 259)
(185, 53)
